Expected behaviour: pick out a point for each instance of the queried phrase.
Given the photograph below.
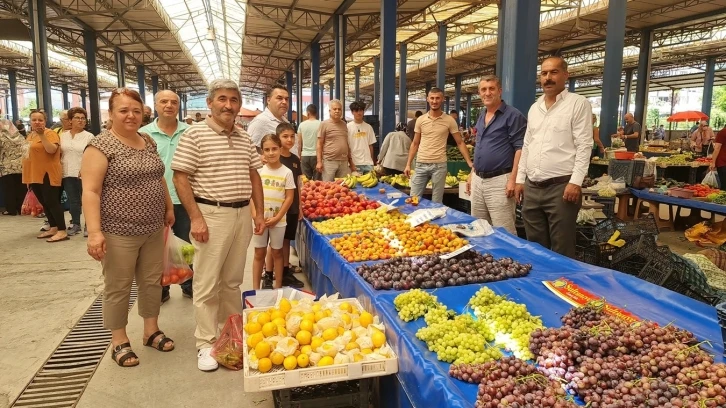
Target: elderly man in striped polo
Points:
(215, 175)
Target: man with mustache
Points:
(166, 130)
(500, 135)
(278, 99)
(555, 159)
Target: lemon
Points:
(296, 353)
(306, 349)
(350, 346)
(328, 313)
(345, 306)
(358, 357)
(379, 339)
(303, 360)
(366, 351)
(262, 349)
(316, 342)
(341, 330)
(309, 316)
(264, 365)
(279, 321)
(325, 361)
(317, 307)
(269, 329)
(303, 337)
(263, 317)
(281, 331)
(346, 319)
(307, 325)
(253, 327)
(319, 315)
(330, 334)
(277, 358)
(254, 339)
(285, 306)
(277, 314)
(366, 319)
(252, 316)
(290, 363)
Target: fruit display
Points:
(398, 239)
(397, 180)
(306, 333)
(675, 160)
(668, 183)
(462, 175)
(610, 363)
(430, 272)
(717, 198)
(362, 221)
(454, 155)
(412, 200)
(323, 200)
(451, 181)
(701, 190)
(367, 180)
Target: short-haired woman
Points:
(12, 148)
(42, 170)
(73, 142)
(127, 205)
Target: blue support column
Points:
(441, 58)
(120, 68)
(627, 86)
(387, 108)
(339, 31)
(356, 73)
(288, 85)
(298, 89)
(571, 85)
(315, 76)
(13, 82)
(500, 39)
(36, 12)
(457, 95)
(181, 108)
(376, 85)
(321, 96)
(428, 88)
(614, 44)
(185, 105)
(83, 98)
(446, 104)
(155, 90)
(141, 78)
(331, 89)
(402, 91)
(708, 86)
(94, 98)
(64, 92)
(519, 54)
(468, 110)
(641, 87)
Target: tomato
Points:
(165, 280)
(174, 279)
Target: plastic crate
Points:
(608, 205)
(279, 378)
(676, 273)
(643, 248)
(638, 171)
(621, 169)
(598, 254)
(353, 394)
(629, 230)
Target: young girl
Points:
(278, 185)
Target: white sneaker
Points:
(205, 361)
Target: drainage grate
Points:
(64, 376)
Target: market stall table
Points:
(675, 204)
(423, 381)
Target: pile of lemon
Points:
(307, 333)
(362, 221)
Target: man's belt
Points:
(550, 182)
(237, 204)
(495, 173)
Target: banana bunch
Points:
(452, 181)
(463, 175)
(386, 179)
(349, 181)
(614, 241)
(401, 180)
(367, 180)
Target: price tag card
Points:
(419, 217)
(389, 207)
(457, 252)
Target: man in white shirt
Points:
(361, 139)
(555, 159)
(266, 122)
(308, 133)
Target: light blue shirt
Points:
(166, 146)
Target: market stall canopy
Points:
(246, 113)
(687, 116)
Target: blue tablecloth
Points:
(682, 202)
(424, 380)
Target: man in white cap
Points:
(189, 120)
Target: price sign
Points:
(457, 252)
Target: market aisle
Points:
(44, 289)
(171, 379)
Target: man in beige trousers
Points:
(215, 175)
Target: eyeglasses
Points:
(79, 118)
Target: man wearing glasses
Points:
(701, 138)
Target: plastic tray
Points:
(279, 378)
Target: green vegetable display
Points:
(454, 155)
(675, 160)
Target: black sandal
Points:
(127, 353)
(162, 342)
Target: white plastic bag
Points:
(711, 179)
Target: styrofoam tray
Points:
(279, 378)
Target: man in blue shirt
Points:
(166, 130)
(499, 138)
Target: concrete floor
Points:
(45, 288)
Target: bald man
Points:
(166, 130)
(631, 133)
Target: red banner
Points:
(579, 297)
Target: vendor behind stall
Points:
(631, 133)
(719, 156)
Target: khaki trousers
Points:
(128, 257)
(219, 267)
(489, 201)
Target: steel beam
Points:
(708, 86)
(519, 54)
(377, 84)
(315, 86)
(64, 93)
(289, 85)
(441, 59)
(331, 89)
(429, 85)
(120, 59)
(94, 113)
(447, 100)
(614, 43)
(13, 83)
(141, 78)
(339, 31)
(321, 96)
(185, 105)
(298, 89)
(155, 89)
(402, 92)
(36, 12)
(356, 72)
(628, 85)
(83, 98)
(181, 110)
(457, 95)
(571, 85)
(500, 38)
(468, 111)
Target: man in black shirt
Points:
(631, 133)
(411, 123)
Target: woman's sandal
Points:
(125, 351)
(162, 341)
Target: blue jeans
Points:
(74, 190)
(436, 172)
(182, 226)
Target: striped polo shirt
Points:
(218, 162)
